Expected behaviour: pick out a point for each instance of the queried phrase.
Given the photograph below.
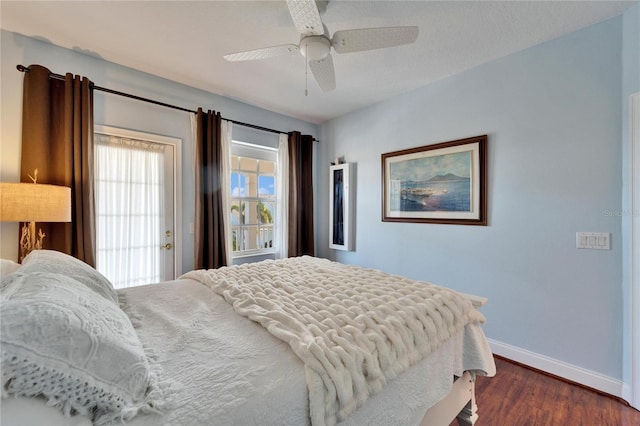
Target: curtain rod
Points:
(22, 68)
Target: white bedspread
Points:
(353, 328)
(227, 370)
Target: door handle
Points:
(167, 246)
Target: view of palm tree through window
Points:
(253, 204)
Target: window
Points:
(253, 199)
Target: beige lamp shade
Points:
(34, 202)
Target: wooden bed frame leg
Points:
(469, 414)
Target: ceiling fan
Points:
(315, 44)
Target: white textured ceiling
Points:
(185, 41)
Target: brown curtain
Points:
(57, 139)
(301, 240)
(210, 237)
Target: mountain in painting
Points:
(447, 178)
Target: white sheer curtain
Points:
(226, 138)
(130, 209)
(282, 198)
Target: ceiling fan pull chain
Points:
(306, 73)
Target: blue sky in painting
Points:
(420, 169)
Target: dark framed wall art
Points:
(341, 207)
(441, 183)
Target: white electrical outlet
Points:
(593, 240)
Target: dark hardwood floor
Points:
(519, 396)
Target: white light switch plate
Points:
(593, 240)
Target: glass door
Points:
(135, 175)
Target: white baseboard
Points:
(560, 368)
(626, 393)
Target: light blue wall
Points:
(553, 116)
(117, 111)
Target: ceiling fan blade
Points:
(372, 38)
(324, 73)
(264, 53)
(306, 17)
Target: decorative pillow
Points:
(61, 340)
(61, 263)
(8, 267)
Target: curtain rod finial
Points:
(22, 68)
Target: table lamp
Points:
(31, 203)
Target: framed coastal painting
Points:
(441, 183)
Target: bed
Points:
(268, 343)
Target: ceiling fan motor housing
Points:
(315, 48)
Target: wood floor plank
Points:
(520, 396)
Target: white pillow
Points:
(61, 263)
(61, 340)
(8, 267)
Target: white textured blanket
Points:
(353, 328)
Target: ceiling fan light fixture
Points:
(315, 42)
(315, 48)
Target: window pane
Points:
(235, 162)
(238, 185)
(251, 212)
(235, 236)
(251, 238)
(266, 237)
(237, 209)
(251, 184)
(265, 212)
(266, 185)
(267, 167)
(248, 164)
